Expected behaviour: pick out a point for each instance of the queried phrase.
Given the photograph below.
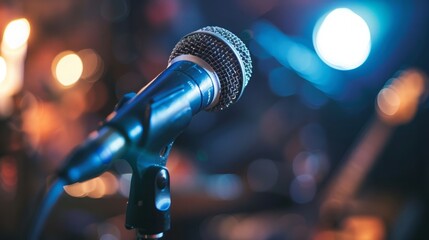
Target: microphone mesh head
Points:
(226, 54)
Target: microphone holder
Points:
(148, 207)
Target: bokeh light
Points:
(303, 189)
(364, 227)
(108, 231)
(104, 185)
(125, 184)
(294, 56)
(67, 68)
(93, 65)
(224, 186)
(342, 40)
(398, 101)
(388, 101)
(306, 163)
(16, 34)
(14, 51)
(3, 70)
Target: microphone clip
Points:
(148, 207)
(149, 201)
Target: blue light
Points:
(297, 57)
(342, 39)
(224, 186)
(136, 131)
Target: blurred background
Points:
(329, 141)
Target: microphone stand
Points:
(148, 207)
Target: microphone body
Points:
(208, 69)
(159, 112)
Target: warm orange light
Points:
(355, 227)
(364, 227)
(388, 101)
(89, 186)
(104, 185)
(14, 50)
(67, 68)
(397, 103)
(75, 190)
(16, 34)
(99, 190)
(111, 183)
(3, 70)
(93, 64)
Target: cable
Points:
(49, 200)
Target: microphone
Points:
(207, 70)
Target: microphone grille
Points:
(226, 54)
